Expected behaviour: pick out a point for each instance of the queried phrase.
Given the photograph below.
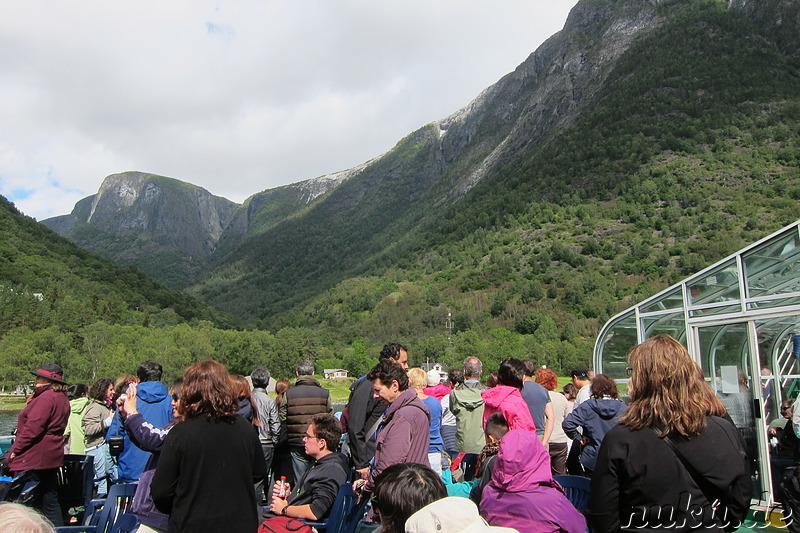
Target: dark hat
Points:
(580, 372)
(50, 371)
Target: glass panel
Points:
(614, 346)
(774, 267)
(719, 285)
(725, 356)
(671, 300)
(775, 351)
(713, 311)
(778, 302)
(780, 384)
(673, 324)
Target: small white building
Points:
(335, 373)
(427, 367)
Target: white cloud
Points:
(237, 95)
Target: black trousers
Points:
(47, 502)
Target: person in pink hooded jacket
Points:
(522, 493)
(506, 398)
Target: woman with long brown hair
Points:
(672, 462)
(210, 460)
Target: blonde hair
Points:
(16, 518)
(417, 378)
(668, 390)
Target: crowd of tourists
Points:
(215, 452)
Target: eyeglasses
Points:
(629, 371)
(176, 397)
(307, 436)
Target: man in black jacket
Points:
(365, 411)
(301, 402)
(316, 491)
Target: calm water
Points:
(8, 420)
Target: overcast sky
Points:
(237, 96)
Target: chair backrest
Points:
(358, 512)
(577, 489)
(344, 503)
(75, 481)
(118, 502)
(126, 523)
(341, 510)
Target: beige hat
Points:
(434, 378)
(451, 515)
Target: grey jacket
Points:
(269, 423)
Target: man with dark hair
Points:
(405, 435)
(306, 399)
(538, 403)
(269, 427)
(466, 404)
(365, 411)
(149, 371)
(314, 493)
(583, 382)
(155, 405)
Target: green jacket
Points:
(466, 404)
(74, 432)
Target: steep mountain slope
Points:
(574, 123)
(374, 209)
(264, 210)
(45, 280)
(165, 227)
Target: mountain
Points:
(167, 228)
(643, 142)
(531, 139)
(47, 281)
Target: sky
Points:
(237, 96)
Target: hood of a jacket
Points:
(76, 406)
(406, 397)
(522, 462)
(469, 398)
(497, 395)
(606, 408)
(151, 391)
(437, 391)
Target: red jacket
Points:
(39, 444)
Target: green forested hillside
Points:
(50, 287)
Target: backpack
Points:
(284, 524)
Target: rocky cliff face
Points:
(164, 226)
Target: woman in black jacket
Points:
(210, 460)
(672, 456)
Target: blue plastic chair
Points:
(342, 511)
(577, 489)
(127, 523)
(106, 513)
(76, 485)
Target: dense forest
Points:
(689, 153)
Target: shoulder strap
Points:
(709, 491)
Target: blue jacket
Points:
(597, 417)
(155, 404)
